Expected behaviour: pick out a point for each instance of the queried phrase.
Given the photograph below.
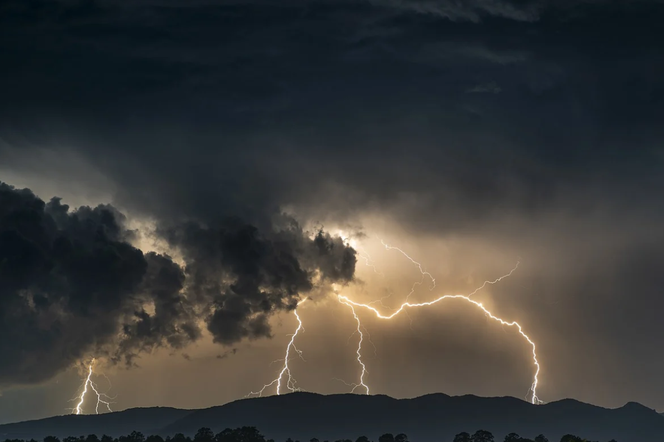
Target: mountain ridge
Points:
(302, 416)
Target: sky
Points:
(178, 175)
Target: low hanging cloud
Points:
(72, 285)
(268, 273)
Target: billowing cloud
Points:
(71, 285)
(267, 273)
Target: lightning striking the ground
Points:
(533, 388)
(101, 397)
(407, 305)
(359, 350)
(291, 383)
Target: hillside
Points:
(145, 420)
(435, 417)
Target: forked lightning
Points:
(291, 384)
(101, 397)
(419, 266)
(406, 305)
(533, 388)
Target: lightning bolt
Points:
(291, 383)
(407, 305)
(495, 280)
(368, 261)
(359, 348)
(419, 266)
(533, 387)
(100, 396)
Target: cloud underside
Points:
(72, 286)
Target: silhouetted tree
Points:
(462, 437)
(243, 434)
(134, 436)
(204, 435)
(482, 436)
(513, 437)
(249, 434)
(225, 435)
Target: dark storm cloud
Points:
(71, 285)
(200, 111)
(268, 273)
(266, 97)
(66, 282)
(173, 321)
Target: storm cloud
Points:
(529, 127)
(267, 274)
(72, 286)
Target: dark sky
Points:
(207, 154)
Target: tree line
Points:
(251, 434)
(486, 436)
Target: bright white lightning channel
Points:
(291, 383)
(101, 397)
(363, 367)
(406, 305)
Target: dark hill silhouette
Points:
(435, 418)
(145, 420)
